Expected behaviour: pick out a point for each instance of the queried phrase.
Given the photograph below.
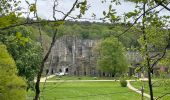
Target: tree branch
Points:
(37, 86)
(36, 22)
(97, 19)
(162, 96)
(140, 17)
(39, 26)
(155, 56)
(54, 9)
(67, 14)
(136, 20)
(161, 57)
(25, 23)
(163, 5)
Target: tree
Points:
(12, 87)
(152, 31)
(9, 17)
(82, 6)
(147, 10)
(112, 58)
(27, 53)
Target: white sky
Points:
(45, 8)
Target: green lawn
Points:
(88, 91)
(159, 88)
(81, 78)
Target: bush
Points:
(12, 87)
(123, 83)
(95, 78)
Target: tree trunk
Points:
(37, 88)
(150, 84)
(147, 53)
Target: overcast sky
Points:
(45, 8)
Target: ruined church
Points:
(74, 56)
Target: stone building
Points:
(73, 56)
(134, 58)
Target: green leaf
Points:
(18, 34)
(33, 8)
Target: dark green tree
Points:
(27, 53)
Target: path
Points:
(80, 81)
(44, 78)
(136, 90)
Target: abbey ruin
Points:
(76, 56)
(73, 56)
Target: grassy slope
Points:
(88, 91)
(158, 88)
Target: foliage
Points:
(26, 52)
(112, 58)
(12, 87)
(154, 39)
(155, 32)
(35, 36)
(88, 30)
(166, 61)
(8, 12)
(123, 83)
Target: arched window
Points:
(66, 70)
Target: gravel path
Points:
(136, 90)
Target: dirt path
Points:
(44, 78)
(136, 90)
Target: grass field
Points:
(81, 78)
(159, 88)
(88, 91)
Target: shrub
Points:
(123, 83)
(95, 78)
(12, 87)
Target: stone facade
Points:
(76, 56)
(73, 56)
